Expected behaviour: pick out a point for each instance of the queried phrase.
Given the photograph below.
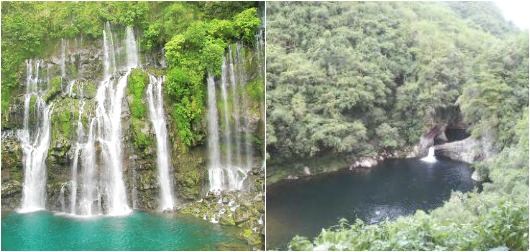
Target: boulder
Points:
(468, 150)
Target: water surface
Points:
(389, 190)
(139, 231)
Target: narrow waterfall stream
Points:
(235, 107)
(35, 141)
(156, 114)
(246, 123)
(231, 175)
(430, 158)
(216, 171)
(228, 170)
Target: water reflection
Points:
(392, 189)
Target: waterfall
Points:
(230, 172)
(156, 114)
(70, 88)
(235, 107)
(89, 189)
(61, 198)
(108, 117)
(108, 52)
(63, 58)
(248, 135)
(132, 49)
(78, 147)
(215, 171)
(35, 142)
(430, 158)
(109, 99)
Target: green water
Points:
(138, 231)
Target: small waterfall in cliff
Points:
(109, 137)
(63, 58)
(247, 134)
(132, 49)
(430, 158)
(231, 174)
(215, 171)
(235, 107)
(35, 141)
(109, 99)
(156, 114)
(109, 56)
(79, 146)
(90, 203)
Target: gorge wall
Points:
(70, 79)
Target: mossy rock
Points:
(190, 173)
(244, 214)
(252, 238)
(137, 84)
(54, 88)
(227, 220)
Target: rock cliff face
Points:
(78, 82)
(467, 150)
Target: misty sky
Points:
(515, 11)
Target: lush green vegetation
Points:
(193, 34)
(497, 217)
(193, 53)
(138, 80)
(137, 84)
(363, 78)
(366, 77)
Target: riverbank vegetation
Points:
(367, 78)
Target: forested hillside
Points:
(367, 78)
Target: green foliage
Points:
(195, 52)
(403, 65)
(53, 89)
(62, 121)
(195, 36)
(137, 83)
(256, 89)
(358, 78)
(185, 88)
(140, 140)
(388, 136)
(246, 22)
(138, 80)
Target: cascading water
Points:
(109, 136)
(79, 145)
(35, 142)
(90, 193)
(109, 101)
(430, 158)
(230, 172)
(132, 49)
(242, 81)
(235, 107)
(63, 58)
(156, 114)
(215, 171)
